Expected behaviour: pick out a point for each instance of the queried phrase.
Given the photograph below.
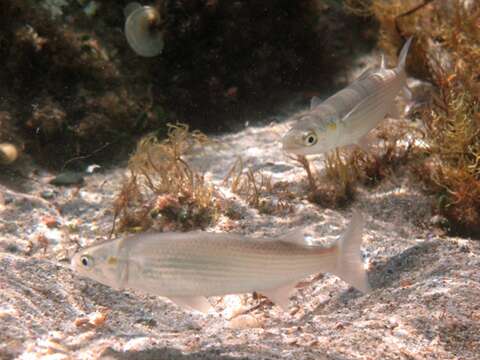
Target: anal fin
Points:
(280, 295)
(199, 303)
(122, 276)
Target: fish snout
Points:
(74, 262)
(293, 143)
(290, 143)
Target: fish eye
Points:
(310, 139)
(86, 261)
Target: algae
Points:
(162, 190)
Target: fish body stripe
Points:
(354, 110)
(370, 113)
(193, 265)
(207, 270)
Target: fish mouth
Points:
(292, 150)
(289, 144)
(73, 262)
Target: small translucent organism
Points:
(143, 29)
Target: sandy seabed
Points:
(424, 303)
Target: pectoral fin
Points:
(280, 295)
(198, 303)
(358, 107)
(122, 276)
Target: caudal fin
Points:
(349, 264)
(402, 58)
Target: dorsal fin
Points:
(402, 58)
(365, 74)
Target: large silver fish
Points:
(186, 267)
(346, 117)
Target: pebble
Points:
(54, 346)
(399, 332)
(67, 179)
(47, 194)
(438, 220)
(150, 322)
(6, 312)
(290, 340)
(97, 318)
(233, 306)
(50, 222)
(93, 169)
(247, 321)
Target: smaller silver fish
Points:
(186, 267)
(346, 117)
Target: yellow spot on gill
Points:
(112, 260)
(332, 126)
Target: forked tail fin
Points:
(402, 58)
(349, 264)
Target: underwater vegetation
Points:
(454, 165)
(347, 169)
(63, 87)
(162, 191)
(72, 88)
(258, 190)
(447, 49)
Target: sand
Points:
(424, 303)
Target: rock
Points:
(93, 168)
(67, 179)
(150, 322)
(50, 222)
(247, 321)
(47, 194)
(439, 220)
